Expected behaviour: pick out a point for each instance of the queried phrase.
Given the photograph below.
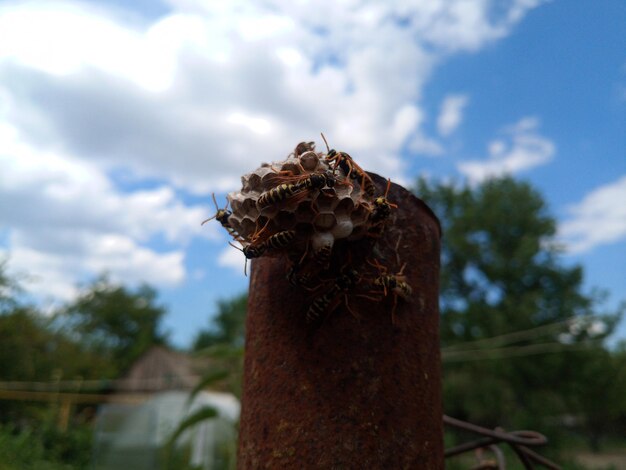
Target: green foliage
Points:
(31, 350)
(9, 288)
(177, 457)
(223, 342)
(204, 413)
(500, 271)
(44, 448)
(115, 322)
(227, 326)
(513, 356)
(206, 381)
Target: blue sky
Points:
(116, 125)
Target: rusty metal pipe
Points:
(355, 393)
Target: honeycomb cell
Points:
(342, 229)
(248, 205)
(305, 212)
(269, 211)
(268, 181)
(309, 161)
(253, 181)
(248, 226)
(360, 215)
(325, 201)
(292, 166)
(325, 221)
(235, 205)
(345, 206)
(285, 220)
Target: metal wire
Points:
(519, 441)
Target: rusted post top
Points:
(351, 393)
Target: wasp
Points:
(257, 249)
(221, 215)
(285, 191)
(392, 283)
(277, 241)
(297, 278)
(294, 274)
(382, 207)
(350, 168)
(322, 304)
(280, 240)
(322, 256)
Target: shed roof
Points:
(160, 369)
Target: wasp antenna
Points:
(371, 264)
(401, 272)
(325, 141)
(235, 246)
(214, 201)
(388, 186)
(373, 299)
(397, 250)
(393, 310)
(345, 298)
(377, 265)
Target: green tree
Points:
(9, 288)
(116, 322)
(227, 326)
(31, 350)
(507, 304)
(598, 399)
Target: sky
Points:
(118, 120)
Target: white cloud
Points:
(67, 220)
(600, 218)
(194, 99)
(520, 149)
(53, 273)
(187, 97)
(470, 25)
(451, 114)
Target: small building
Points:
(133, 436)
(160, 369)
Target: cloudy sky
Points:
(119, 119)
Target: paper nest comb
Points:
(319, 217)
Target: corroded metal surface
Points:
(352, 393)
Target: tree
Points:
(508, 303)
(116, 322)
(227, 326)
(9, 288)
(31, 350)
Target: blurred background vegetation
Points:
(524, 346)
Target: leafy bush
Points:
(44, 449)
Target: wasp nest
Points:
(301, 194)
(304, 207)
